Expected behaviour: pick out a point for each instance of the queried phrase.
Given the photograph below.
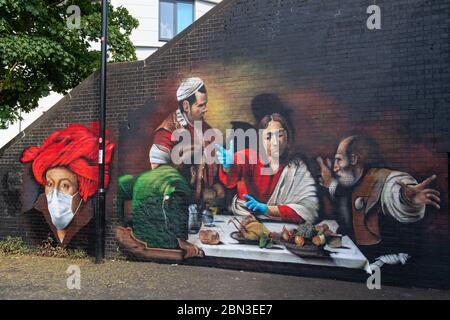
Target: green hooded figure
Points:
(160, 200)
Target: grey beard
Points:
(346, 178)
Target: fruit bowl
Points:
(308, 250)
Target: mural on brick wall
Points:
(66, 168)
(207, 193)
(162, 197)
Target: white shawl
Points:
(296, 189)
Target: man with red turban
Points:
(66, 164)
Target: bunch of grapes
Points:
(306, 230)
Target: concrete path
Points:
(32, 277)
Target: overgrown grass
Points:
(48, 248)
(13, 245)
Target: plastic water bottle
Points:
(194, 222)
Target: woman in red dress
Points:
(270, 182)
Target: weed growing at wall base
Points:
(49, 249)
(16, 246)
(13, 245)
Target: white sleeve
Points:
(159, 154)
(394, 205)
(302, 197)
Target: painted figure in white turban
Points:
(189, 115)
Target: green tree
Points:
(40, 51)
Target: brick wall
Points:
(333, 74)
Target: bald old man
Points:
(376, 206)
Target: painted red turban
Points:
(76, 148)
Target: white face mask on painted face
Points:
(60, 208)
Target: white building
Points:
(159, 21)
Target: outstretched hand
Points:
(326, 177)
(421, 195)
(225, 156)
(255, 205)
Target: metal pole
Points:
(100, 212)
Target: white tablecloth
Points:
(347, 258)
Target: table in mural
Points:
(348, 256)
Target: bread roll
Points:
(209, 237)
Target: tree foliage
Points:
(40, 52)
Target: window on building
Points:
(174, 17)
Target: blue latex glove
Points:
(255, 205)
(225, 157)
